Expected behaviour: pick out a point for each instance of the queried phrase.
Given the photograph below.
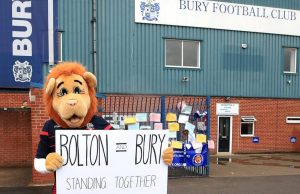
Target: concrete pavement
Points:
(245, 165)
(216, 185)
(245, 174)
(236, 185)
(15, 177)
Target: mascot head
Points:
(69, 95)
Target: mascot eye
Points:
(77, 90)
(63, 91)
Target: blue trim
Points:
(100, 95)
(162, 104)
(36, 85)
(207, 104)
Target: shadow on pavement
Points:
(26, 190)
(15, 177)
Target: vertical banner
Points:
(26, 38)
(123, 162)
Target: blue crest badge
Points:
(150, 10)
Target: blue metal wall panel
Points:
(131, 56)
(75, 21)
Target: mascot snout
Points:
(72, 102)
(73, 111)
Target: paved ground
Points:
(246, 165)
(215, 185)
(15, 177)
(236, 185)
(238, 174)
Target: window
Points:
(247, 126)
(182, 53)
(292, 119)
(290, 60)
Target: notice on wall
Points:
(227, 109)
(123, 162)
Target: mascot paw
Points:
(168, 156)
(53, 161)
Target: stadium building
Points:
(242, 55)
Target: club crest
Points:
(22, 71)
(150, 10)
(90, 126)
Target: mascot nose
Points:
(72, 102)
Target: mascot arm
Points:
(167, 156)
(40, 165)
(52, 162)
(46, 162)
(100, 123)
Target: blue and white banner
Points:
(27, 29)
(218, 15)
(188, 156)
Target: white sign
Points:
(227, 109)
(123, 162)
(218, 15)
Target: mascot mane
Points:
(68, 68)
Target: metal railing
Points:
(115, 107)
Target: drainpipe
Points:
(94, 38)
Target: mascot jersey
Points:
(47, 140)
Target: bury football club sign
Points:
(218, 15)
(27, 29)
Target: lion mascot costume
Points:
(70, 100)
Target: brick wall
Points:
(15, 130)
(12, 99)
(15, 137)
(38, 118)
(271, 128)
(274, 133)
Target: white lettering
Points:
(23, 23)
(21, 45)
(19, 9)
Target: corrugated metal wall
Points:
(75, 20)
(131, 56)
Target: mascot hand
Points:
(168, 156)
(53, 161)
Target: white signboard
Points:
(227, 109)
(123, 162)
(218, 15)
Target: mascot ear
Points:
(90, 79)
(50, 86)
